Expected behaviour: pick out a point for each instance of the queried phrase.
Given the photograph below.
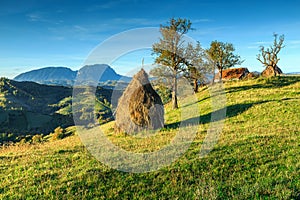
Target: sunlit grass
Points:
(257, 155)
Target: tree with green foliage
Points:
(197, 65)
(269, 57)
(173, 54)
(195, 69)
(222, 56)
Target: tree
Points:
(194, 69)
(171, 52)
(197, 67)
(269, 57)
(223, 57)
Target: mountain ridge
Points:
(65, 76)
(48, 75)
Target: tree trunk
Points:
(214, 76)
(195, 85)
(174, 92)
(274, 70)
(221, 72)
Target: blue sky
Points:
(35, 34)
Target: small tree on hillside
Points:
(222, 56)
(197, 68)
(269, 57)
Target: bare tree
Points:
(269, 56)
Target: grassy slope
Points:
(257, 156)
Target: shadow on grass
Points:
(262, 83)
(231, 111)
(234, 110)
(196, 102)
(265, 83)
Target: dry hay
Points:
(140, 107)
(233, 74)
(269, 71)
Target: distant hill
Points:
(66, 77)
(293, 73)
(28, 108)
(49, 75)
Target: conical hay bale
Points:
(269, 71)
(140, 107)
(143, 100)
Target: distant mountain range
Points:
(49, 76)
(98, 73)
(292, 73)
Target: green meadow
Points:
(257, 155)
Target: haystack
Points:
(233, 74)
(140, 107)
(269, 71)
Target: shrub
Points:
(164, 92)
(37, 139)
(23, 141)
(58, 133)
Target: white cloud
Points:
(252, 47)
(105, 5)
(294, 42)
(41, 17)
(80, 28)
(34, 17)
(136, 21)
(256, 45)
(263, 43)
(289, 44)
(102, 31)
(195, 21)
